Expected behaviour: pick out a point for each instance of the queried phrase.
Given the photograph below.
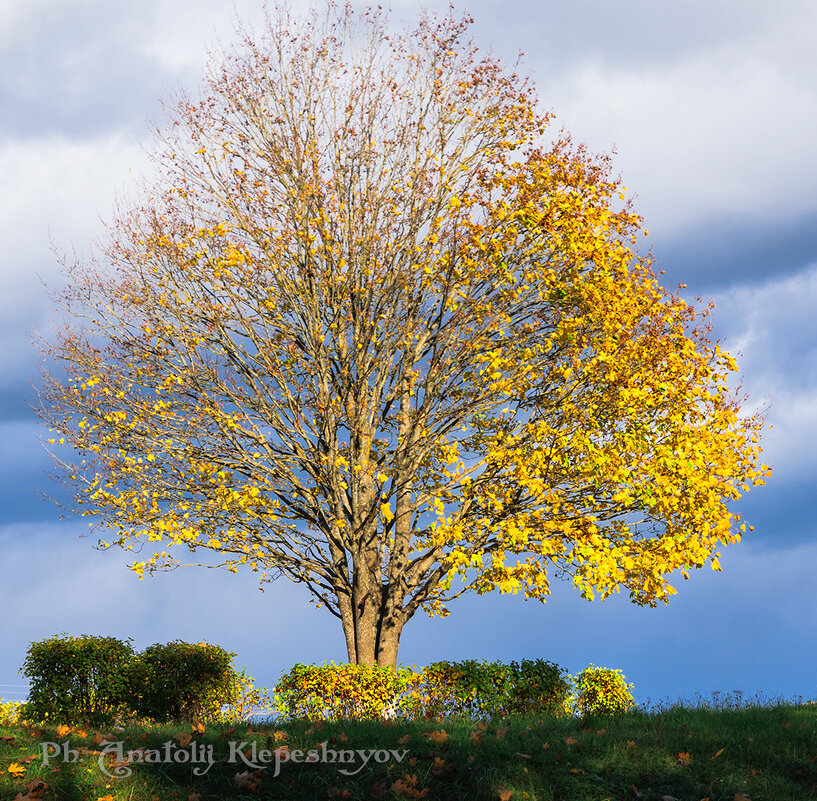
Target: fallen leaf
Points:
(404, 739)
(194, 797)
(476, 737)
(501, 732)
(741, 797)
(407, 787)
(631, 744)
(183, 739)
(683, 758)
(63, 730)
(378, 790)
(249, 781)
(636, 792)
(282, 735)
(199, 728)
(37, 789)
(334, 792)
(504, 795)
(570, 741)
(575, 771)
(437, 736)
(718, 753)
(601, 732)
(343, 738)
(105, 798)
(16, 770)
(8, 739)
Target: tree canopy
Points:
(373, 328)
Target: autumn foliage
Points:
(371, 330)
(467, 689)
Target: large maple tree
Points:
(370, 329)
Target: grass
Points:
(726, 750)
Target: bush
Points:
(76, 679)
(538, 687)
(465, 689)
(490, 689)
(10, 712)
(602, 691)
(444, 689)
(181, 681)
(247, 700)
(345, 692)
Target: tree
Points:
(369, 330)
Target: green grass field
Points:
(729, 752)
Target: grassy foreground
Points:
(754, 752)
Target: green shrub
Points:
(181, 681)
(491, 689)
(602, 691)
(466, 689)
(76, 679)
(537, 687)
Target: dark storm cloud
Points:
(713, 255)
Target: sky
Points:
(711, 107)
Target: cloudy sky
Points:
(711, 106)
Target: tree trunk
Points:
(372, 628)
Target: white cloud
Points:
(720, 135)
(52, 188)
(774, 326)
